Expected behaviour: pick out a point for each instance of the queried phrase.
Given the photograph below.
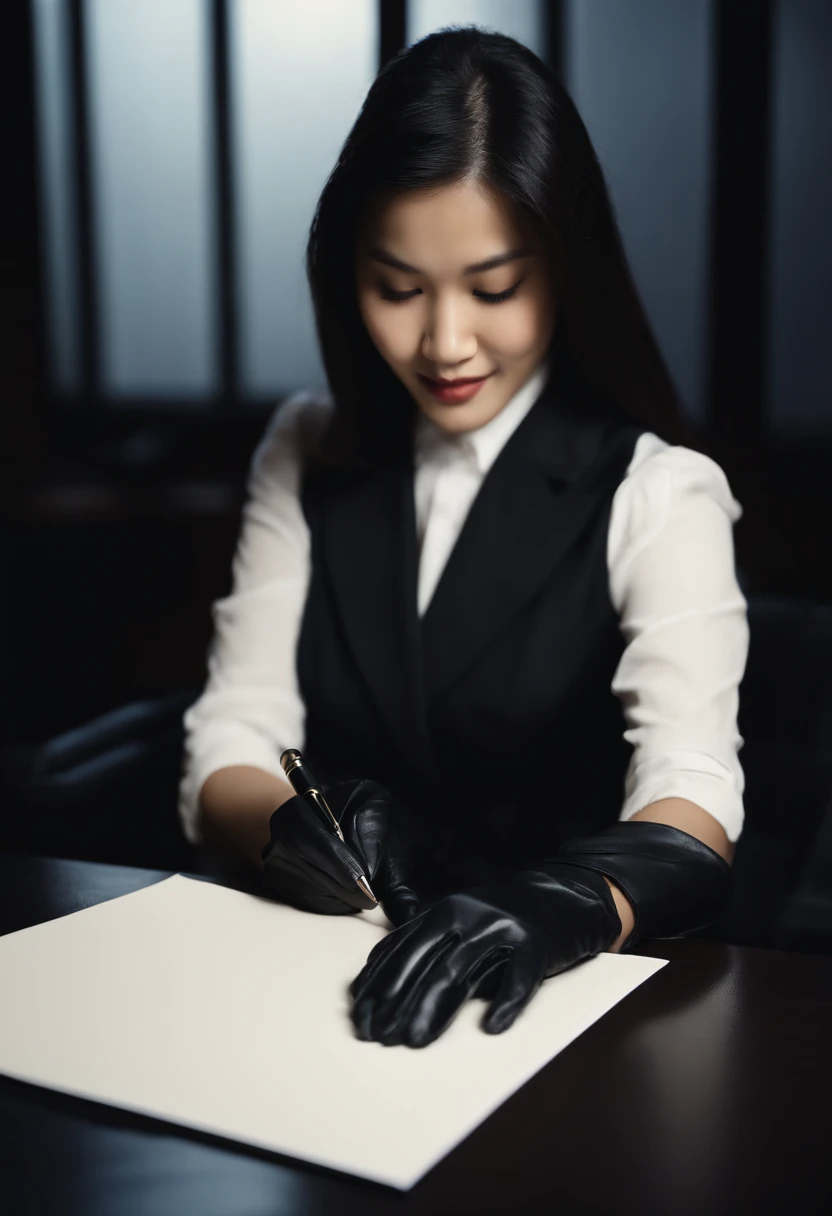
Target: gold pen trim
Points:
(290, 759)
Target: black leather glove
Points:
(675, 883)
(502, 939)
(529, 926)
(305, 864)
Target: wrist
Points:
(236, 804)
(562, 902)
(674, 882)
(625, 914)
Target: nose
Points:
(448, 338)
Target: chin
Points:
(458, 418)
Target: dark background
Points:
(119, 524)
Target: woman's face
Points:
(444, 326)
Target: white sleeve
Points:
(684, 617)
(251, 709)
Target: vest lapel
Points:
(530, 509)
(371, 554)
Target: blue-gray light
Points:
(153, 196)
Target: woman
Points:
(502, 624)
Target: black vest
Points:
(492, 715)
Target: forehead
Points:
(462, 223)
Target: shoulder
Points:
(292, 430)
(665, 481)
(298, 418)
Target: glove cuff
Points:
(536, 895)
(675, 883)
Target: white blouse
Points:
(672, 582)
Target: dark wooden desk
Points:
(705, 1091)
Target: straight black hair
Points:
(465, 103)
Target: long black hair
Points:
(467, 103)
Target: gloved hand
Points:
(529, 926)
(305, 864)
(501, 939)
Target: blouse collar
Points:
(483, 445)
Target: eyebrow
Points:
(500, 259)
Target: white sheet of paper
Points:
(228, 1012)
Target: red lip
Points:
(457, 392)
(456, 383)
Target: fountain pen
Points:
(306, 787)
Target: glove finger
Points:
(401, 904)
(449, 986)
(384, 831)
(365, 1012)
(348, 799)
(520, 980)
(302, 835)
(309, 887)
(401, 954)
(295, 891)
(366, 831)
(379, 954)
(374, 832)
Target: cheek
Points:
(518, 327)
(393, 332)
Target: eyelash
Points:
(487, 297)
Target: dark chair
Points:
(783, 863)
(108, 790)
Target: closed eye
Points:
(399, 297)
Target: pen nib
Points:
(362, 885)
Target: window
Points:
(178, 179)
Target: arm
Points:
(673, 582)
(251, 708)
(236, 803)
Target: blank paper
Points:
(229, 1013)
